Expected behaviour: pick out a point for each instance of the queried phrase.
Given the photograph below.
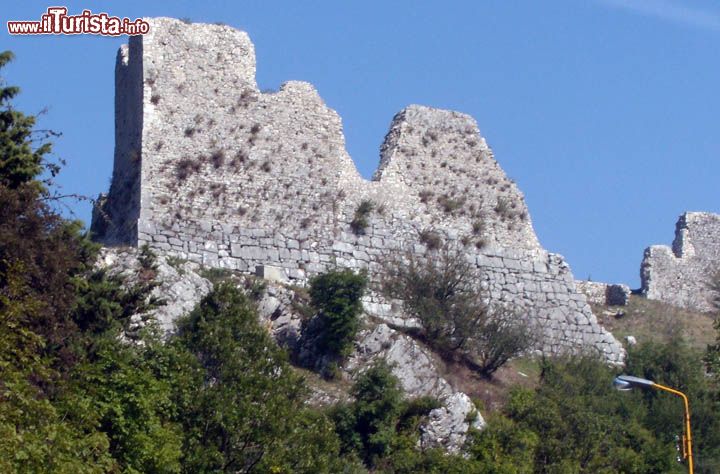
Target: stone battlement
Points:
(210, 169)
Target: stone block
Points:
(271, 273)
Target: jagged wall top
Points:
(200, 98)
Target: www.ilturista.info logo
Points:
(57, 22)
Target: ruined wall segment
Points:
(679, 275)
(608, 294)
(450, 173)
(235, 178)
(115, 218)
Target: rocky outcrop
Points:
(181, 287)
(449, 424)
(210, 169)
(679, 275)
(416, 368)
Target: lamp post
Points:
(628, 382)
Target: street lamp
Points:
(628, 382)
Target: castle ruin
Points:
(680, 274)
(210, 169)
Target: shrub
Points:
(478, 227)
(336, 296)
(449, 204)
(177, 263)
(425, 196)
(360, 222)
(186, 167)
(504, 208)
(216, 275)
(218, 158)
(504, 334)
(441, 291)
(240, 157)
(431, 239)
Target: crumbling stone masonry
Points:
(609, 294)
(210, 169)
(680, 275)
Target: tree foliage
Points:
(336, 296)
(20, 161)
(380, 427)
(246, 395)
(712, 355)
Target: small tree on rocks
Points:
(336, 295)
(441, 289)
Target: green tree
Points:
(129, 389)
(44, 426)
(49, 250)
(712, 355)
(20, 161)
(244, 408)
(504, 447)
(574, 422)
(377, 409)
(367, 427)
(679, 366)
(336, 296)
(379, 426)
(39, 433)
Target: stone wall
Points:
(116, 218)
(235, 178)
(680, 275)
(608, 294)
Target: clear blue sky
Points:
(604, 111)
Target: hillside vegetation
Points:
(655, 321)
(82, 393)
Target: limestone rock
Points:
(181, 288)
(276, 311)
(413, 364)
(447, 426)
(416, 368)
